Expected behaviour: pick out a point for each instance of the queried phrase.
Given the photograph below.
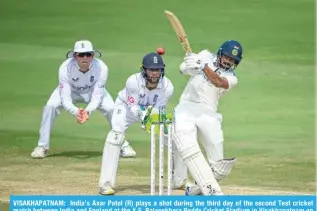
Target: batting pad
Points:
(222, 168)
(197, 164)
(110, 158)
(179, 169)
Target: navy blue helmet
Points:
(231, 49)
(152, 63)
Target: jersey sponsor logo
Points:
(81, 88)
(131, 99)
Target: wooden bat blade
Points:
(179, 30)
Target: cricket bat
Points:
(179, 30)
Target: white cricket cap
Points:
(83, 46)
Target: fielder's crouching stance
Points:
(82, 78)
(211, 77)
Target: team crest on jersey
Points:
(75, 79)
(92, 78)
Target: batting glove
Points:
(194, 62)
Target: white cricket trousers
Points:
(200, 122)
(54, 104)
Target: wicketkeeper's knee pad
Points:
(110, 158)
(118, 118)
(115, 138)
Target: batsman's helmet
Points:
(231, 48)
(152, 61)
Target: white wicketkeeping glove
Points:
(194, 61)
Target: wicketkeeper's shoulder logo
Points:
(130, 99)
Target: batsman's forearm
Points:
(215, 79)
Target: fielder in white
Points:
(82, 78)
(212, 75)
(149, 89)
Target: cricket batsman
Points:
(212, 75)
(147, 92)
(82, 78)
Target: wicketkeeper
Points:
(145, 92)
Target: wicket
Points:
(161, 157)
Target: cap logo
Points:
(155, 61)
(234, 52)
(83, 45)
